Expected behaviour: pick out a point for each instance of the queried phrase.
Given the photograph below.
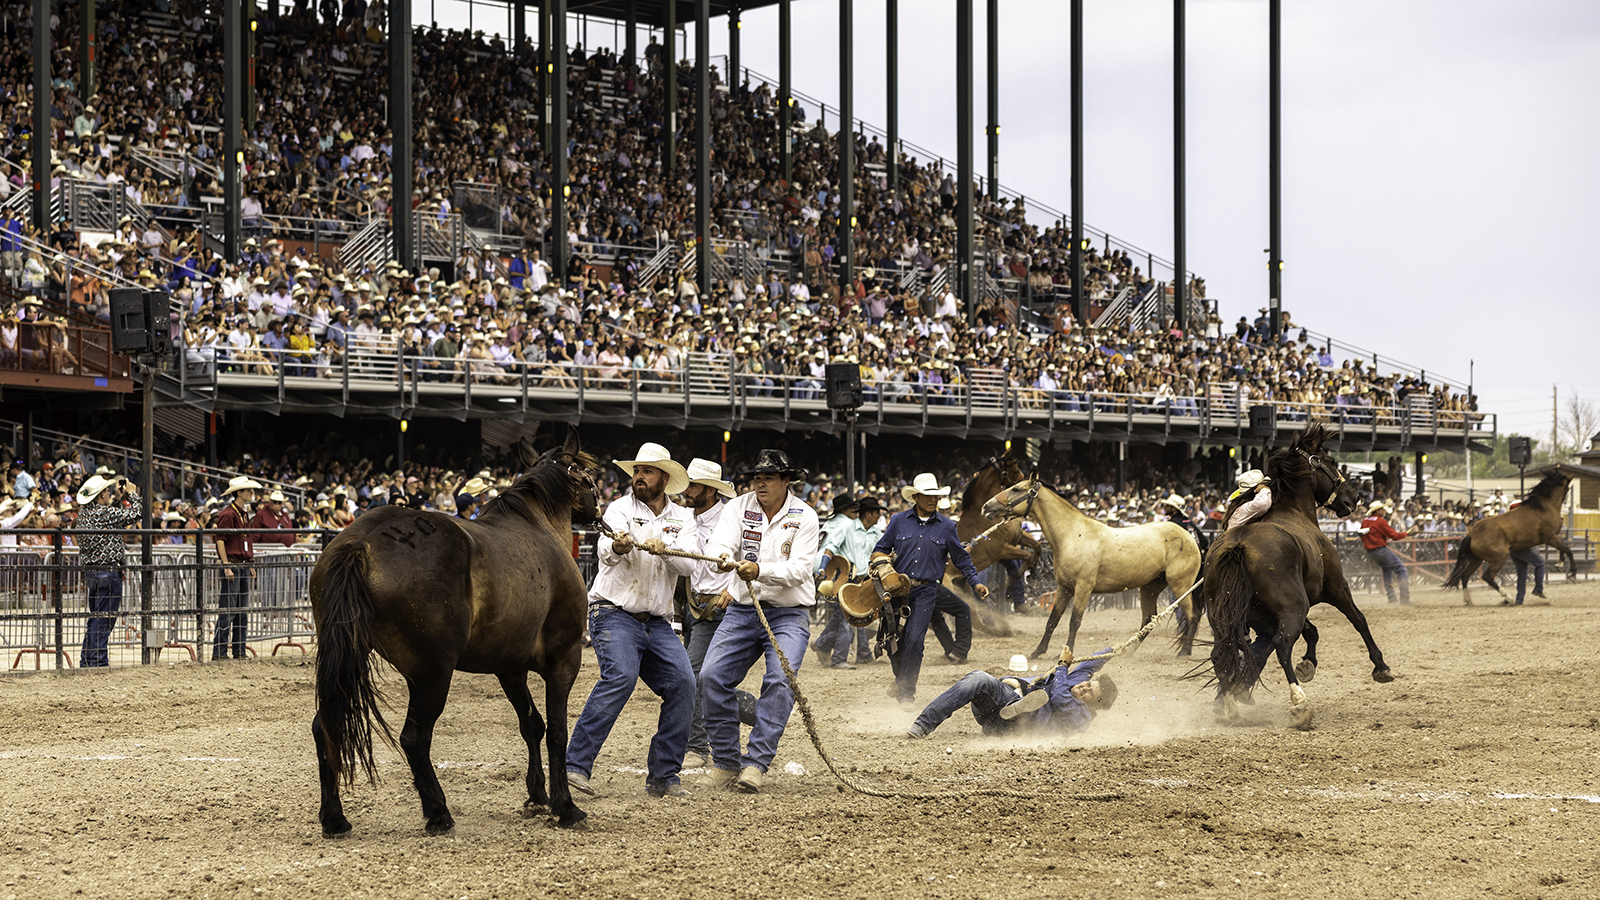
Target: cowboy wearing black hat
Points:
(770, 539)
(850, 537)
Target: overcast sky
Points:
(1440, 175)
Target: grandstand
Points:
(323, 311)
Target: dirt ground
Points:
(1475, 773)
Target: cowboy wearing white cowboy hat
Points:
(1376, 533)
(769, 537)
(102, 557)
(1176, 513)
(233, 551)
(630, 622)
(707, 585)
(1256, 487)
(918, 542)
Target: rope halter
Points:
(1332, 472)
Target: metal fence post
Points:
(200, 594)
(55, 589)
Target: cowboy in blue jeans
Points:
(1064, 701)
(1376, 533)
(1524, 559)
(234, 552)
(102, 556)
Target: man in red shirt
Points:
(271, 517)
(234, 552)
(1376, 533)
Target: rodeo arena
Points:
(871, 529)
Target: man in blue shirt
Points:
(921, 540)
(1062, 702)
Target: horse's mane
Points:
(546, 486)
(1291, 471)
(1545, 490)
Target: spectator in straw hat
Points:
(630, 622)
(271, 517)
(708, 584)
(102, 557)
(234, 551)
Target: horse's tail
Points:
(347, 698)
(1228, 610)
(1466, 564)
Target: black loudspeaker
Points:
(844, 385)
(1262, 418)
(129, 330)
(158, 318)
(1520, 450)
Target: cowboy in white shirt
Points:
(770, 538)
(630, 622)
(708, 584)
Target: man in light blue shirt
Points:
(852, 533)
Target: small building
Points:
(1589, 484)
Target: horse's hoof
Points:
(1305, 670)
(534, 809)
(578, 821)
(1230, 710)
(1383, 675)
(441, 829)
(337, 828)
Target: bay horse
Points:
(1006, 542)
(434, 594)
(1094, 558)
(1490, 540)
(1265, 575)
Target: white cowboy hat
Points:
(1174, 501)
(276, 497)
(924, 484)
(653, 454)
(92, 488)
(242, 483)
(475, 486)
(1376, 505)
(1252, 478)
(708, 473)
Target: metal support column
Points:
(1180, 231)
(558, 140)
(669, 85)
(702, 147)
(1275, 239)
(964, 236)
(519, 27)
(546, 67)
(147, 570)
(785, 101)
(993, 130)
(847, 147)
(1080, 294)
(735, 73)
(43, 99)
(249, 120)
(232, 123)
(892, 114)
(630, 40)
(86, 84)
(401, 169)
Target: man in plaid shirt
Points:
(102, 557)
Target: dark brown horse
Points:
(433, 594)
(1006, 542)
(1264, 576)
(1491, 540)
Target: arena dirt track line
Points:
(1473, 774)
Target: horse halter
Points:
(1031, 495)
(1333, 473)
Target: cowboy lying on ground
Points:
(1063, 702)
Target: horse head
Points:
(1329, 486)
(580, 469)
(1013, 502)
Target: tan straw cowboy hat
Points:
(708, 473)
(924, 484)
(653, 454)
(241, 483)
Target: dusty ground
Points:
(1476, 773)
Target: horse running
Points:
(1094, 558)
(1491, 540)
(433, 594)
(1265, 575)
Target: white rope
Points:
(1143, 632)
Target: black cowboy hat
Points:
(869, 503)
(775, 462)
(843, 504)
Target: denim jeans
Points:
(231, 627)
(739, 642)
(983, 691)
(700, 634)
(1524, 559)
(907, 659)
(630, 651)
(105, 598)
(836, 639)
(945, 601)
(1393, 570)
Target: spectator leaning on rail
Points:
(770, 538)
(102, 557)
(234, 552)
(1376, 533)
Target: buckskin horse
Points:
(1490, 541)
(433, 594)
(1094, 558)
(1265, 575)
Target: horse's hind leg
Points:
(428, 694)
(332, 813)
(1306, 668)
(532, 727)
(1299, 706)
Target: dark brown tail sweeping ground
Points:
(347, 698)
(1228, 610)
(1466, 564)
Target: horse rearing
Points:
(1265, 575)
(433, 594)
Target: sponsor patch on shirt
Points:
(753, 536)
(751, 515)
(671, 529)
